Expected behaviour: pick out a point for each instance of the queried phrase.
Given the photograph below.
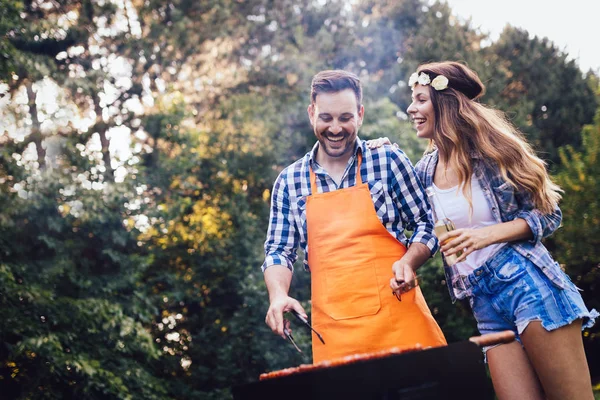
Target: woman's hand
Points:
(466, 240)
(376, 143)
(469, 240)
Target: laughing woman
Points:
(489, 182)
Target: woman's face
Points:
(421, 112)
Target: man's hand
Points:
(279, 305)
(278, 279)
(403, 272)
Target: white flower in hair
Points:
(424, 79)
(412, 81)
(440, 82)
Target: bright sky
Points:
(573, 25)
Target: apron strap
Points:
(313, 177)
(358, 161)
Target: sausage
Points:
(491, 339)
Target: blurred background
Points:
(139, 141)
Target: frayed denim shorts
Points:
(509, 291)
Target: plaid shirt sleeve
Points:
(411, 200)
(541, 225)
(282, 236)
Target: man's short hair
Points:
(333, 81)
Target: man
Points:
(351, 226)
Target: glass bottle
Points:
(443, 224)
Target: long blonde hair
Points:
(464, 127)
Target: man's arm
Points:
(411, 200)
(415, 212)
(280, 255)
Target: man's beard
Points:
(325, 143)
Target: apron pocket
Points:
(352, 291)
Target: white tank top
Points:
(456, 208)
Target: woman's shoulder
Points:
(426, 159)
(487, 167)
(425, 167)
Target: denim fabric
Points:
(508, 292)
(506, 204)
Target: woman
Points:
(497, 192)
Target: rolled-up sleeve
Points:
(411, 200)
(541, 225)
(282, 237)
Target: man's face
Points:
(335, 118)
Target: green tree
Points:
(9, 21)
(74, 315)
(209, 190)
(77, 318)
(545, 94)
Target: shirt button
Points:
(493, 208)
(529, 256)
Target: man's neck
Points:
(335, 166)
(328, 162)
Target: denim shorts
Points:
(509, 291)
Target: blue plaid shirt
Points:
(506, 204)
(398, 198)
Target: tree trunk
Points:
(36, 132)
(101, 127)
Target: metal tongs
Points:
(405, 287)
(305, 322)
(288, 334)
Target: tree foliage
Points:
(74, 314)
(546, 94)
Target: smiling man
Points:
(347, 207)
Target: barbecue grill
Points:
(454, 371)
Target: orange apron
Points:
(350, 254)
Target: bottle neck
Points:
(434, 200)
(433, 212)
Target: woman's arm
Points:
(469, 240)
(529, 224)
(541, 225)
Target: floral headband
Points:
(440, 82)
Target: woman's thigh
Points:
(559, 360)
(512, 374)
(546, 319)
